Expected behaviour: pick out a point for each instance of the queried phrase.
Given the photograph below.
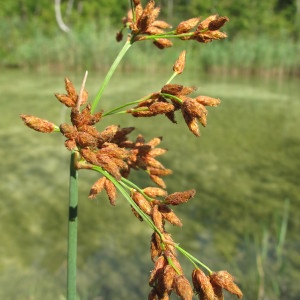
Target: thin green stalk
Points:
(109, 74)
(114, 111)
(72, 230)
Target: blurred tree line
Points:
(31, 35)
(272, 17)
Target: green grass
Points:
(244, 167)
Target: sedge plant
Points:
(113, 155)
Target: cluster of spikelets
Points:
(143, 24)
(113, 151)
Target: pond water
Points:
(245, 168)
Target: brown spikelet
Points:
(186, 26)
(152, 294)
(97, 187)
(111, 191)
(183, 288)
(202, 285)
(154, 192)
(217, 23)
(159, 265)
(225, 280)
(161, 24)
(108, 133)
(70, 144)
(109, 165)
(155, 246)
(68, 130)
(89, 156)
(180, 63)
(169, 215)
(180, 197)
(207, 101)
(142, 203)
(156, 179)
(204, 24)
(193, 108)
(84, 140)
(38, 124)
(162, 43)
(161, 107)
(168, 277)
(65, 99)
(173, 89)
(70, 88)
(157, 218)
(159, 172)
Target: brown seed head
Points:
(226, 281)
(142, 203)
(159, 265)
(65, 99)
(207, 101)
(161, 107)
(169, 215)
(204, 24)
(187, 25)
(97, 187)
(217, 23)
(38, 124)
(180, 63)
(202, 285)
(157, 218)
(155, 246)
(183, 288)
(161, 24)
(68, 130)
(154, 192)
(180, 197)
(111, 191)
(162, 43)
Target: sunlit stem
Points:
(172, 97)
(72, 229)
(192, 258)
(109, 74)
(172, 77)
(115, 110)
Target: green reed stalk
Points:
(72, 230)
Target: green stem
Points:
(172, 97)
(113, 111)
(72, 230)
(172, 77)
(192, 258)
(109, 74)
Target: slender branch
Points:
(109, 74)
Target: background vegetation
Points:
(245, 217)
(263, 35)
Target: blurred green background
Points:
(245, 166)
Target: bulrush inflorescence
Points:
(111, 153)
(143, 24)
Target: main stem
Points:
(72, 230)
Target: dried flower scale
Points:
(114, 155)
